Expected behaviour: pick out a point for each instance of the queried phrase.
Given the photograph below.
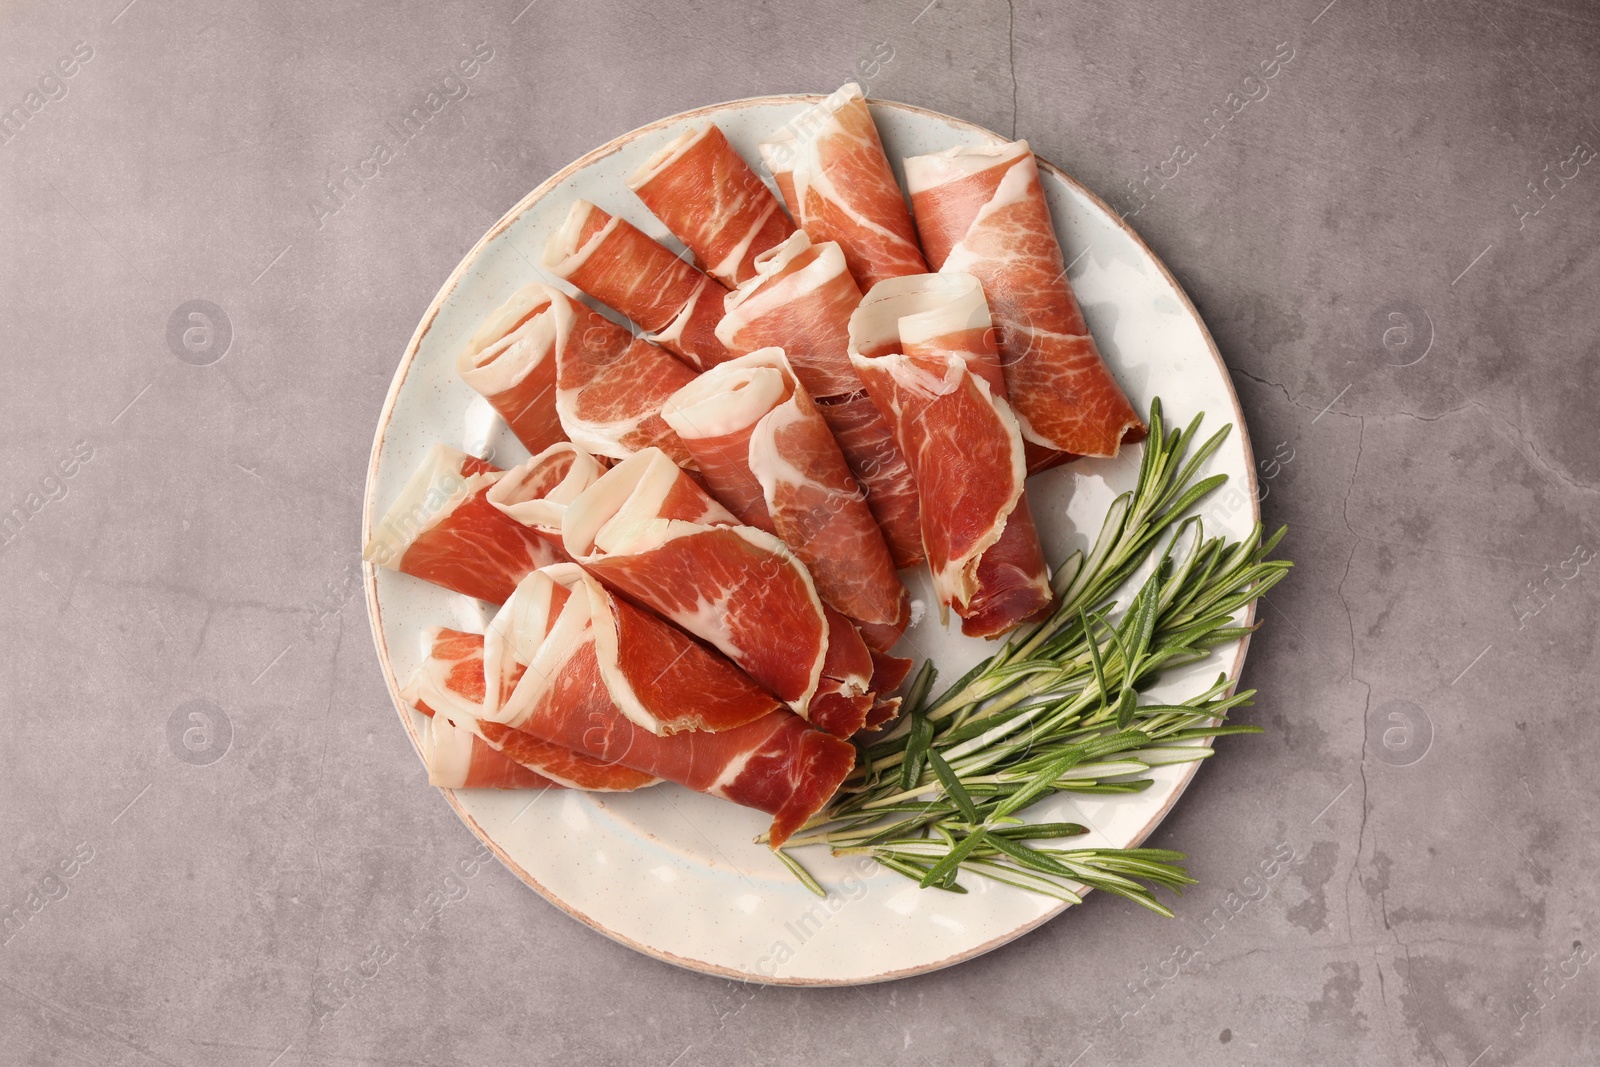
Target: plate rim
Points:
(369, 570)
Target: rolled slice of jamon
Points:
(537, 492)
(716, 205)
(616, 263)
(831, 168)
(609, 384)
(462, 749)
(869, 445)
(767, 454)
(647, 530)
(981, 211)
(508, 360)
(776, 763)
(457, 758)
(662, 679)
(443, 529)
(801, 300)
(924, 346)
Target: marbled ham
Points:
(646, 529)
(609, 383)
(981, 211)
(660, 678)
(462, 749)
(617, 264)
(830, 166)
(924, 347)
(801, 300)
(457, 758)
(444, 530)
(716, 205)
(509, 361)
(767, 454)
(775, 763)
(536, 493)
(868, 443)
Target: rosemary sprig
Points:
(1057, 709)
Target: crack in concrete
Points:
(185, 592)
(1398, 413)
(1366, 708)
(1540, 465)
(1355, 872)
(1560, 475)
(1383, 899)
(205, 627)
(1344, 513)
(1414, 416)
(1361, 833)
(1263, 381)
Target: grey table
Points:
(221, 849)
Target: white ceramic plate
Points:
(672, 873)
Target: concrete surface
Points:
(1412, 341)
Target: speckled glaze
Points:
(675, 874)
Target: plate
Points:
(672, 873)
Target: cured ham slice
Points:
(868, 444)
(611, 388)
(716, 205)
(508, 361)
(614, 262)
(609, 383)
(766, 453)
(464, 750)
(882, 713)
(513, 637)
(888, 674)
(924, 346)
(646, 529)
(776, 763)
(443, 529)
(981, 211)
(660, 678)
(844, 696)
(536, 494)
(830, 166)
(460, 759)
(801, 300)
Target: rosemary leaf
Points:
(953, 786)
(946, 868)
(916, 751)
(801, 873)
